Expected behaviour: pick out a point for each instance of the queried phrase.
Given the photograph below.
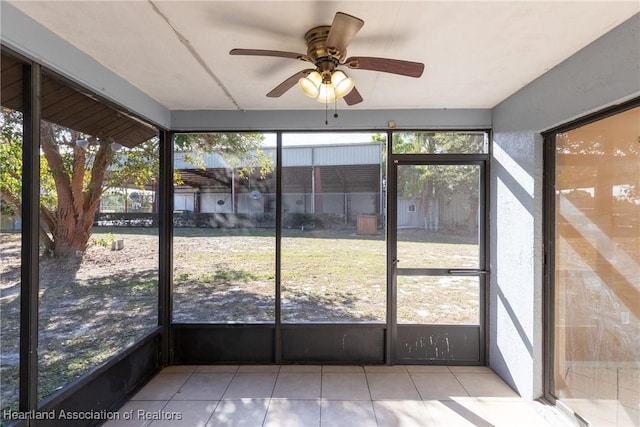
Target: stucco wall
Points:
(603, 73)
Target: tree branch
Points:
(100, 164)
(12, 200)
(56, 165)
(47, 218)
(77, 175)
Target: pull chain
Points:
(326, 114)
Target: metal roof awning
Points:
(295, 179)
(66, 106)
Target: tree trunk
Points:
(72, 232)
(70, 225)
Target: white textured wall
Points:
(603, 73)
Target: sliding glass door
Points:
(594, 271)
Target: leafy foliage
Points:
(433, 184)
(73, 179)
(236, 148)
(440, 180)
(10, 161)
(438, 142)
(106, 240)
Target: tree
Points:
(434, 184)
(10, 162)
(73, 178)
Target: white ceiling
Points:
(476, 53)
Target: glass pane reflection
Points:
(597, 297)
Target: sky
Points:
(319, 138)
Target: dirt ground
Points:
(82, 301)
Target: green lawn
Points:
(326, 276)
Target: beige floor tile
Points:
(347, 413)
(162, 387)
(629, 398)
(510, 413)
(293, 413)
(455, 413)
(346, 396)
(590, 386)
(301, 368)
(341, 368)
(482, 385)
(628, 416)
(391, 386)
(132, 414)
(383, 368)
(405, 413)
(629, 379)
(222, 369)
(258, 368)
(471, 370)
(420, 369)
(298, 385)
(603, 412)
(176, 369)
(256, 385)
(596, 373)
(438, 386)
(341, 386)
(239, 413)
(204, 387)
(185, 414)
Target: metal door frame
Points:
(482, 272)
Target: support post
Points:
(278, 217)
(165, 268)
(30, 268)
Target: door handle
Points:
(467, 272)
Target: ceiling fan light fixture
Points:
(342, 84)
(326, 50)
(310, 84)
(327, 93)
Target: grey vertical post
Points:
(279, 217)
(30, 267)
(391, 236)
(165, 268)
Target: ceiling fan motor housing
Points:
(315, 39)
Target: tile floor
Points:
(323, 396)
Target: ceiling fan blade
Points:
(343, 29)
(394, 66)
(274, 53)
(353, 97)
(287, 84)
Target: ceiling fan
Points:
(327, 50)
